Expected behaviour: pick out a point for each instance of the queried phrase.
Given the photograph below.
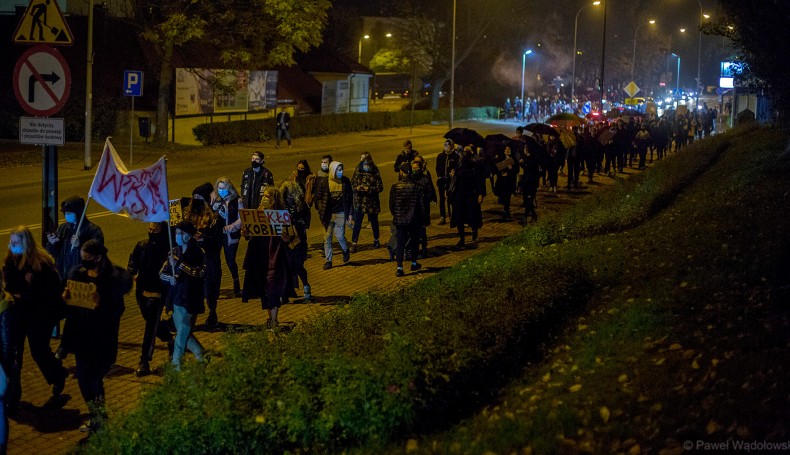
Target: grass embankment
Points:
(385, 365)
(686, 348)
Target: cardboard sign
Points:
(266, 223)
(176, 215)
(81, 294)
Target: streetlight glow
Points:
(682, 30)
(523, 67)
(575, 53)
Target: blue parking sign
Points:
(132, 83)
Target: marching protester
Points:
(184, 272)
(367, 185)
(33, 281)
(446, 162)
(306, 180)
(467, 190)
(145, 262)
(209, 238)
(293, 200)
(91, 334)
(421, 175)
(505, 185)
(254, 179)
(323, 171)
(406, 155)
(64, 244)
(268, 274)
(407, 205)
(333, 198)
(530, 180)
(7, 360)
(226, 202)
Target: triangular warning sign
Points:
(43, 23)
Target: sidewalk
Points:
(55, 431)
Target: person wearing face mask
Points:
(91, 334)
(225, 202)
(323, 171)
(469, 188)
(333, 201)
(367, 185)
(33, 281)
(446, 162)
(422, 176)
(406, 155)
(184, 273)
(145, 262)
(254, 179)
(306, 180)
(64, 244)
(505, 185)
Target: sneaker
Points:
(90, 426)
(415, 266)
(352, 249)
(399, 271)
(143, 369)
(327, 265)
(346, 256)
(376, 244)
(307, 294)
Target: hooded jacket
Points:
(324, 189)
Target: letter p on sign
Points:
(132, 83)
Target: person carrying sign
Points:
(91, 333)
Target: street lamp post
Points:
(575, 29)
(452, 72)
(523, 68)
(359, 58)
(677, 81)
(633, 58)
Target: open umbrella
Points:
(542, 128)
(465, 136)
(564, 119)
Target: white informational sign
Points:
(42, 131)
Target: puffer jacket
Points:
(407, 203)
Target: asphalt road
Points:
(21, 186)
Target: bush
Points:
(319, 125)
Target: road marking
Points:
(38, 225)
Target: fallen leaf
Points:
(712, 427)
(604, 411)
(674, 347)
(411, 445)
(546, 377)
(622, 378)
(575, 388)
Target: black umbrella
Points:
(542, 128)
(495, 145)
(465, 136)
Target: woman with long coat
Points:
(467, 192)
(505, 185)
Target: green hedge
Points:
(386, 364)
(319, 125)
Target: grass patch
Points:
(386, 365)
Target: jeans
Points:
(184, 323)
(283, 132)
(230, 259)
(374, 224)
(3, 417)
(336, 225)
(409, 233)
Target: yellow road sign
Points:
(43, 23)
(631, 89)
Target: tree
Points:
(758, 29)
(241, 34)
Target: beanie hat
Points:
(203, 192)
(186, 226)
(73, 204)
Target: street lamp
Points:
(633, 59)
(452, 72)
(677, 82)
(359, 58)
(573, 77)
(523, 67)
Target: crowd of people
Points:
(179, 273)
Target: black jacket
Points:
(189, 270)
(321, 198)
(407, 203)
(65, 256)
(145, 262)
(252, 186)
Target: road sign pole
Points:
(49, 191)
(131, 131)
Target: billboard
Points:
(209, 91)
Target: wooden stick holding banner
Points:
(266, 223)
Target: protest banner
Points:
(176, 214)
(81, 294)
(266, 223)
